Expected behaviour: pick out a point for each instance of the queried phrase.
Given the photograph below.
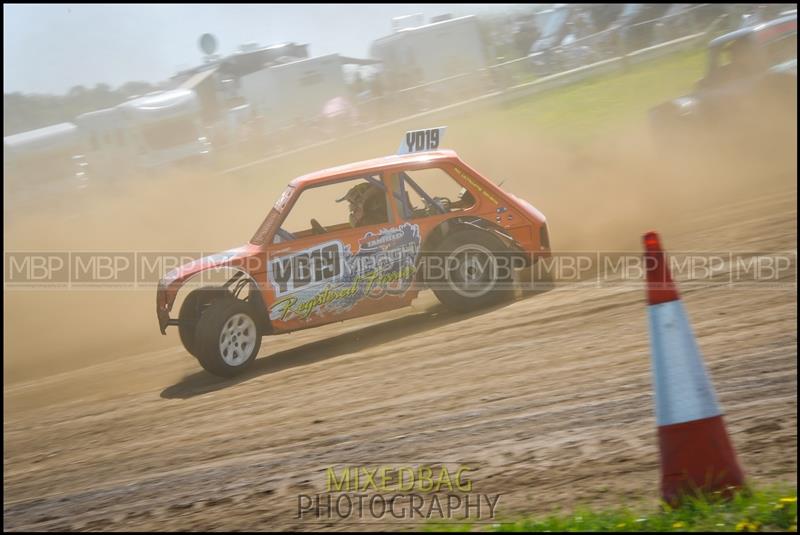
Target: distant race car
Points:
(750, 86)
(420, 218)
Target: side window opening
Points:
(428, 192)
(343, 205)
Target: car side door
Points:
(336, 270)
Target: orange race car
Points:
(355, 240)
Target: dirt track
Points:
(549, 396)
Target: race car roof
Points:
(373, 165)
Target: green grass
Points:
(772, 509)
(582, 111)
(574, 114)
(494, 137)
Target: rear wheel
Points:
(228, 337)
(475, 273)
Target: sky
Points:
(51, 48)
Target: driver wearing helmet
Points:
(367, 205)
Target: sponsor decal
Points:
(475, 185)
(330, 279)
(284, 199)
(311, 266)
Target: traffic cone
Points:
(696, 452)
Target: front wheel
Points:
(475, 273)
(228, 337)
(191, 311)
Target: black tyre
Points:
(475, 271)
(191, 310)
(227, 337)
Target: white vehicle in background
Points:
(109, 148)
(148, 133)
(290, 97)
(419, 55)
(42, 163)
(166, 128)
(235, 125)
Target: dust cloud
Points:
(598, 196)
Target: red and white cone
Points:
(696, 452)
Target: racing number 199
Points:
(422, 140)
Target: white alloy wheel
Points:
(471, 270)
(237, 341)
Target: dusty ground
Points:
(549, 396)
